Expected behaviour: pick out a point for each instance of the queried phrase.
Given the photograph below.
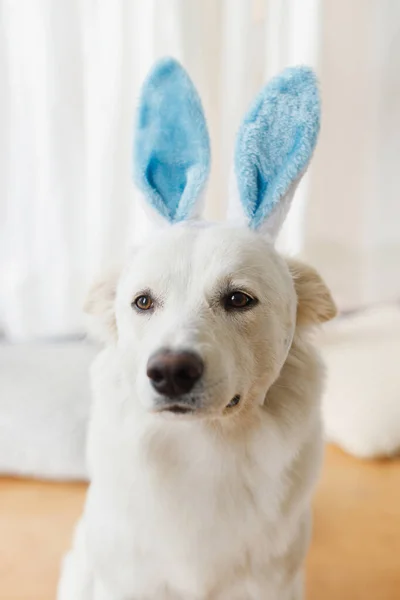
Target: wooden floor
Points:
(355, 553)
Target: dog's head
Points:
(203, 315)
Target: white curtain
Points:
(352, 220)
(71, 72)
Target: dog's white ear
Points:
(100, 308)
(171, 148)
(273, 149)
(314, 301)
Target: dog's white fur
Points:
(214, 506)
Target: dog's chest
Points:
(180, 512)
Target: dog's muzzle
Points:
(173, 375)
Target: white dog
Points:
(205, 438)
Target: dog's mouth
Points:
(183, 409)
(176, 409)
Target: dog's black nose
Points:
(174, 373)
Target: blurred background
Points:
(71, 71)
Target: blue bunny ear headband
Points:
(274, 145)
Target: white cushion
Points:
(361, 407)
(44, 403)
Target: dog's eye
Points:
(238, 300)
(143, 302)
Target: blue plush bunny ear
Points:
(274, 146)
(171, 149)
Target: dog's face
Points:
(203, 319)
